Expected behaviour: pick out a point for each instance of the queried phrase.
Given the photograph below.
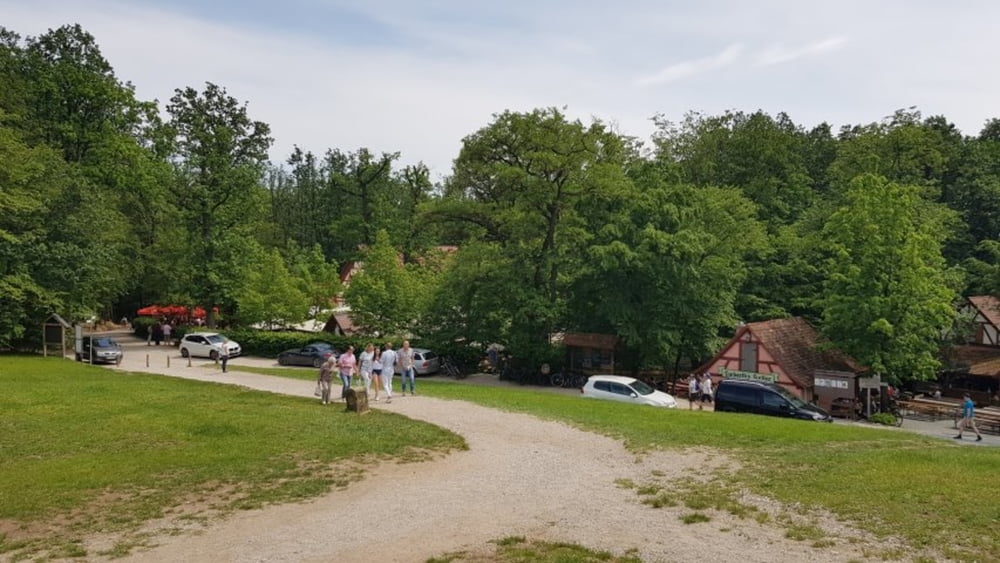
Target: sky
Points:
(416, 77)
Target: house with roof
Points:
(975, 366)
(985, 313)
(788, 352)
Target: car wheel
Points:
(184, 352)
(118, 361)
(213, 355)
(317, 363)
(79, 357)
(282, 361)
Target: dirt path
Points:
(521, 476)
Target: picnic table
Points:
(934, 409)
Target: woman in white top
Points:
(366, 359)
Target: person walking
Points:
(324, 379)
(968, 418)
(224, 356)
(388, 368)
(366, 360)
(167, 330)
(705, 386)
(377, 372)
(693, 395)
(407, 369)
(348, 365)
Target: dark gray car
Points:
(100, 350)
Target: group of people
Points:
(376, 366)
(699, 390)
(161, 331)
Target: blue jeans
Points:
(408, 373)
(346, 380)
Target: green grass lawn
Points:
(76, 440)
(932, 493)
(100, 450)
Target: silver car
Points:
(425, 362)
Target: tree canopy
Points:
(547, 224)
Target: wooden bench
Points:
(932, 409)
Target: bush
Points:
(883, 418)
(270, 343)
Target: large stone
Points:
(357, 400)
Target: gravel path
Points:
(520, 476)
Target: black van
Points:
(757, 397)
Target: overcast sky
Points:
(417, 76)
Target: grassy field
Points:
(931, 493)
(76, 441)
(85, 449)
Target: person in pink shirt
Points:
(347, 364)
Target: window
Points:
(620, 389)
(773, 400)
(602, 386)
(748, 356)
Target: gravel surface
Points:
(521, 476)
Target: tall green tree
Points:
(889, 297)
(383, 296)
(219, 154)
(666, 271)
(520, 183)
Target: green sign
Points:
(749, 375)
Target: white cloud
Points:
(431, 73)
(678, 71)
(777, 54)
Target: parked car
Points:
(758, 397)
(425, 362)
(100, 350)
(313, 354)
(626, 390)
(207, 345)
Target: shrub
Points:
(883, 418)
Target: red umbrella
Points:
(150, 311)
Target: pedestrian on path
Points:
(348, 365)
(366, 360)
(693, 395)
(407, 370)
(388, 369)
(324, 379)
(968, 418)
(705, 386)
(377, 372)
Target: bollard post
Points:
(189, 361)
(168, 361)
(147, 360)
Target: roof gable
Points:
(988, 306)
(795, 345)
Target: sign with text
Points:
(869, 382)
(749, 375)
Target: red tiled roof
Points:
(976, 360)
(591, 340)
(794, 344)
(989, 306)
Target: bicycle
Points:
(451, 370)
(567, 378)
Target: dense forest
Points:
(109, 203)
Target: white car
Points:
(626, 390)
(207, 345)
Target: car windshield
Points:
(104, 343)
(641, 388)
(216, 338)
